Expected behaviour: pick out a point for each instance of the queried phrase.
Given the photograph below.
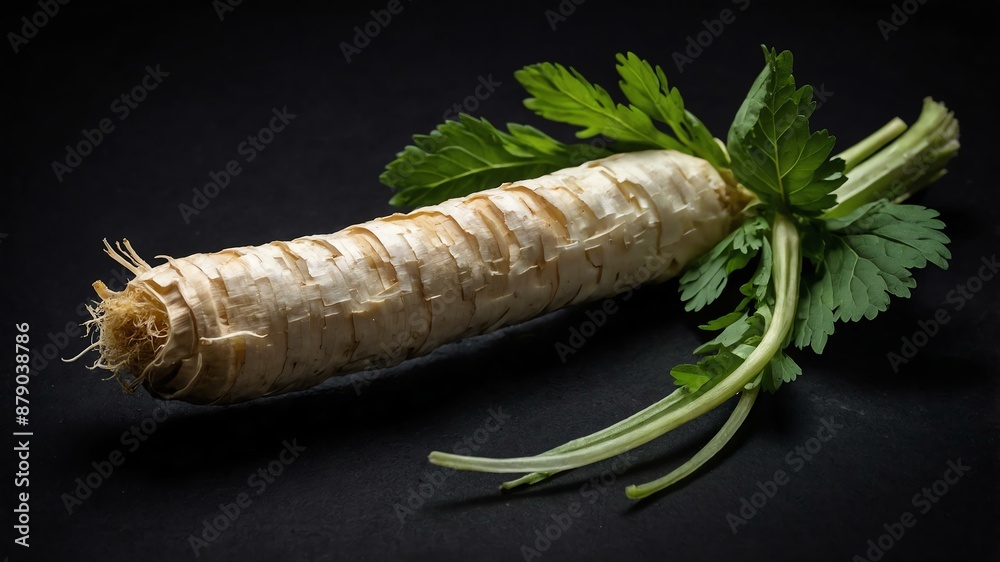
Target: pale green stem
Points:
(716, 444)
(675, 398)
(907, 165)
(871, 144)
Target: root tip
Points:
(131, 329)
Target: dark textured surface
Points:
(365, 438)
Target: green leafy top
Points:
(564, 95)
(646, 89)
(773, 153)
(801, 270)
(461, 157)
(858, 260)
(469, 155)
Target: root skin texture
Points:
(254, 321)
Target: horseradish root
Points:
(254, 321)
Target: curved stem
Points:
(673, 399)
(716, 444)
(785, 275)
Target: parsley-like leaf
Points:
(748, 326)
(725, 352)
(814, 315)
(563, 94)
(781, 369)
(912, 233)
(723, 322)
(646, 88)
(691, 377)
(772, 151)
(757, 286)
(706, 277)
(469, 155)
(869, 255)
(694, 376)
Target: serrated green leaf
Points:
(734, 333)
(706, 277)
(469, 155)
(772, 151)
(879, 244)
(869, 256)
(689, 376)
(722, 322)
(747, 326)
(724, 353)
(564, 95)
(758, 285)
(646, 89)
(814, 315)
(911, 231)
(780, 369)
(693, 377)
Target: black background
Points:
(366, 438)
